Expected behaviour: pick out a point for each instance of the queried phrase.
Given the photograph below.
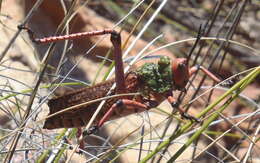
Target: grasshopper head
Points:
(164, 76)
(180, 73)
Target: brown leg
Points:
(175, 104)
(119, 68)
(207, 72)
(65, 37)
(125, 103)
(115, 39)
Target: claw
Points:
(151, 103)
(230, 82)
(91, 130)
(23, 27)
(30, 32)
(187, 116)
(68, 141)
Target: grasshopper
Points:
(154, 81)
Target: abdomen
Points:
(80, 116)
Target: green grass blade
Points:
(240, 86)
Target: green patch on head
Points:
(156, 77)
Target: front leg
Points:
(184, 114)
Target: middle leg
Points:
(183, 113)
(120, 104)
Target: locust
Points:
(155, 82)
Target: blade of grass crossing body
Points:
(240, 86)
